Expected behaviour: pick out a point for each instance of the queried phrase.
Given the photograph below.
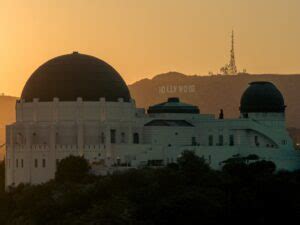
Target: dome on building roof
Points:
(262, 96)
(68, 77)
(173, 105)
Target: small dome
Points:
(75, 75)
(173, 105)
(262, 96)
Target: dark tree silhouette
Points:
(247, 191)
(72, 169)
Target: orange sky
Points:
(142, 38)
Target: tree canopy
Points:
(185, 192)
(72, 169)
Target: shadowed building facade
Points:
(79, 105)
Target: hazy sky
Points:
(141, 38)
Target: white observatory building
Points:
(78, 105)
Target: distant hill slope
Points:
(7, 116)
(212, 93)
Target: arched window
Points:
(113, 136)
(136, 138)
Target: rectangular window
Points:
(136, 138)
(44, 163)
(210, 140)
(22, 163)
(194, 141)
(231, 140)
(36, 163)
(113, 136)
(256, 141)
(17, 163)
(221, 140)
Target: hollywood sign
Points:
(166, 89)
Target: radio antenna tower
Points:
(230, 69)
(232, 65)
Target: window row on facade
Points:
(220, 140)
(20, 163)
(36, 140)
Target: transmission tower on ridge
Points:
(230, 69)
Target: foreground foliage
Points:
(186, 192)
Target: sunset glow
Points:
(144, 38)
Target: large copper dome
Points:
(75, 75)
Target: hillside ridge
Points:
(212, 93)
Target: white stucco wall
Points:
(50, 131)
